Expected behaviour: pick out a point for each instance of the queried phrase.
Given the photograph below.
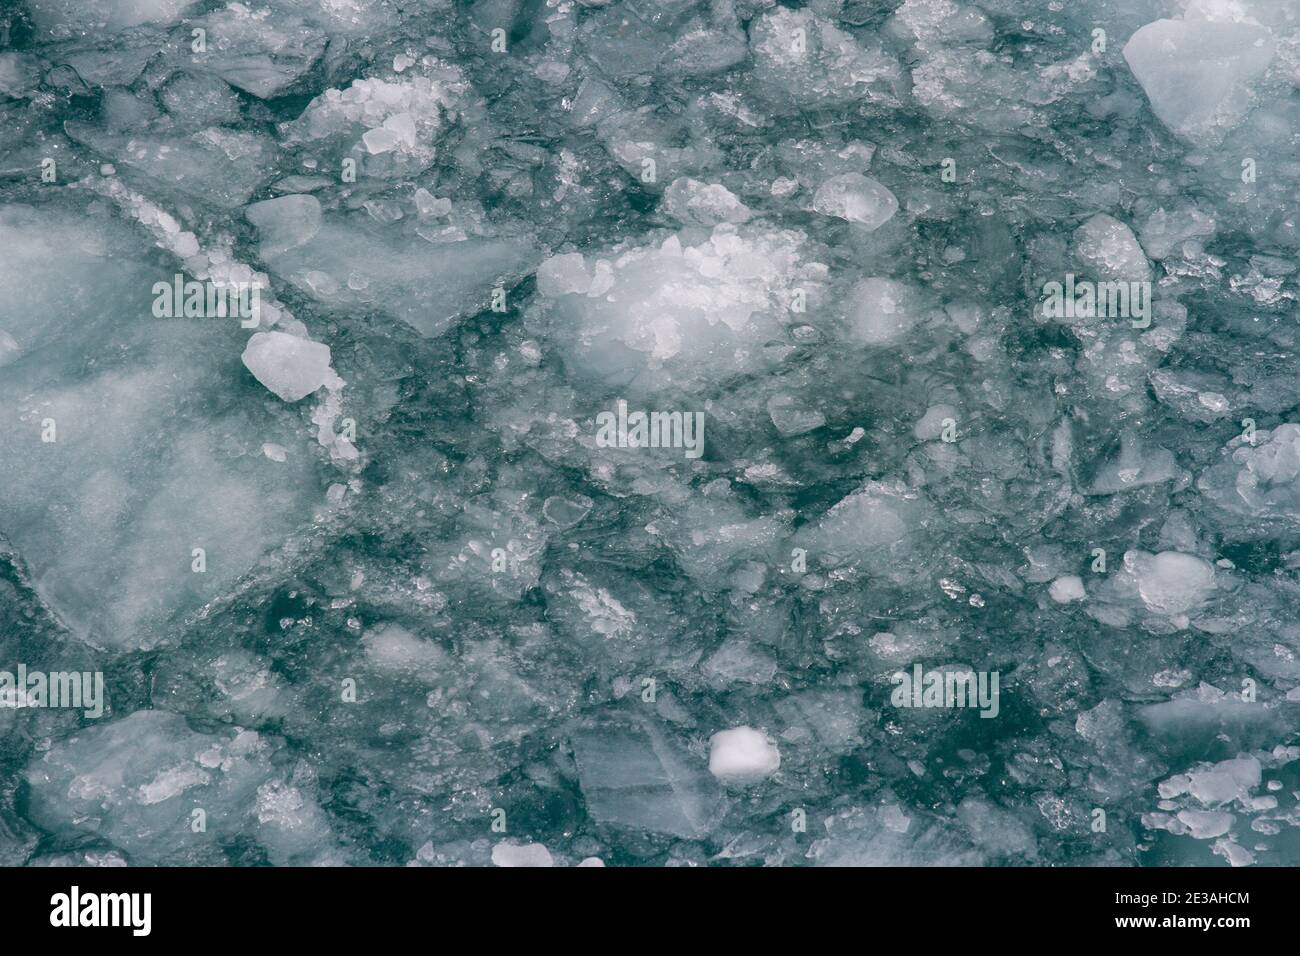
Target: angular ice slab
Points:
(132, 443)
(1198, 74)
(222, 166)
(1259, 478)
(636, 776)
(258, 50)
(350, 261)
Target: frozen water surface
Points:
(571, 433)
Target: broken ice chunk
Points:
(682, 310)
(392, 649)
(998, 831)
(856, 198)
(1198, 74)
(284, 223)
(702, 51)
(222, 166)
(1066, 589)
(1234, 853)
(738, 661)
(427, 285)
(1109, 248)
(1171, 582)
(873, 525)
(930, 425)
(289, 366)
(742, 755)
(136, 783)
(150, 496)
(707, 204)
(1136, 466)
(507, 853)
(1205, 824)
(394, 126)
(260, 53)
(1216, 784)
(1165, 231)
(564, 275)
(637, 777)
(1262, 477)
(791, 417)
(803, 58)
(379, 140)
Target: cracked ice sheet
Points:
(142, 435)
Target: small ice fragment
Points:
(856, 198)
(708, 204)
(566, 513)
(1109, 248)
(564, 275)
(1067, 588)
(185, 245)
(742, 755)
(379, 140)
(790, 416)
(527, 854)
(289, 366)
(1206, 824)
(1174, 583)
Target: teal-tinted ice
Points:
(674, 432)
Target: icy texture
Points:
(141, 779)
(680, 310)
(374, 578)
